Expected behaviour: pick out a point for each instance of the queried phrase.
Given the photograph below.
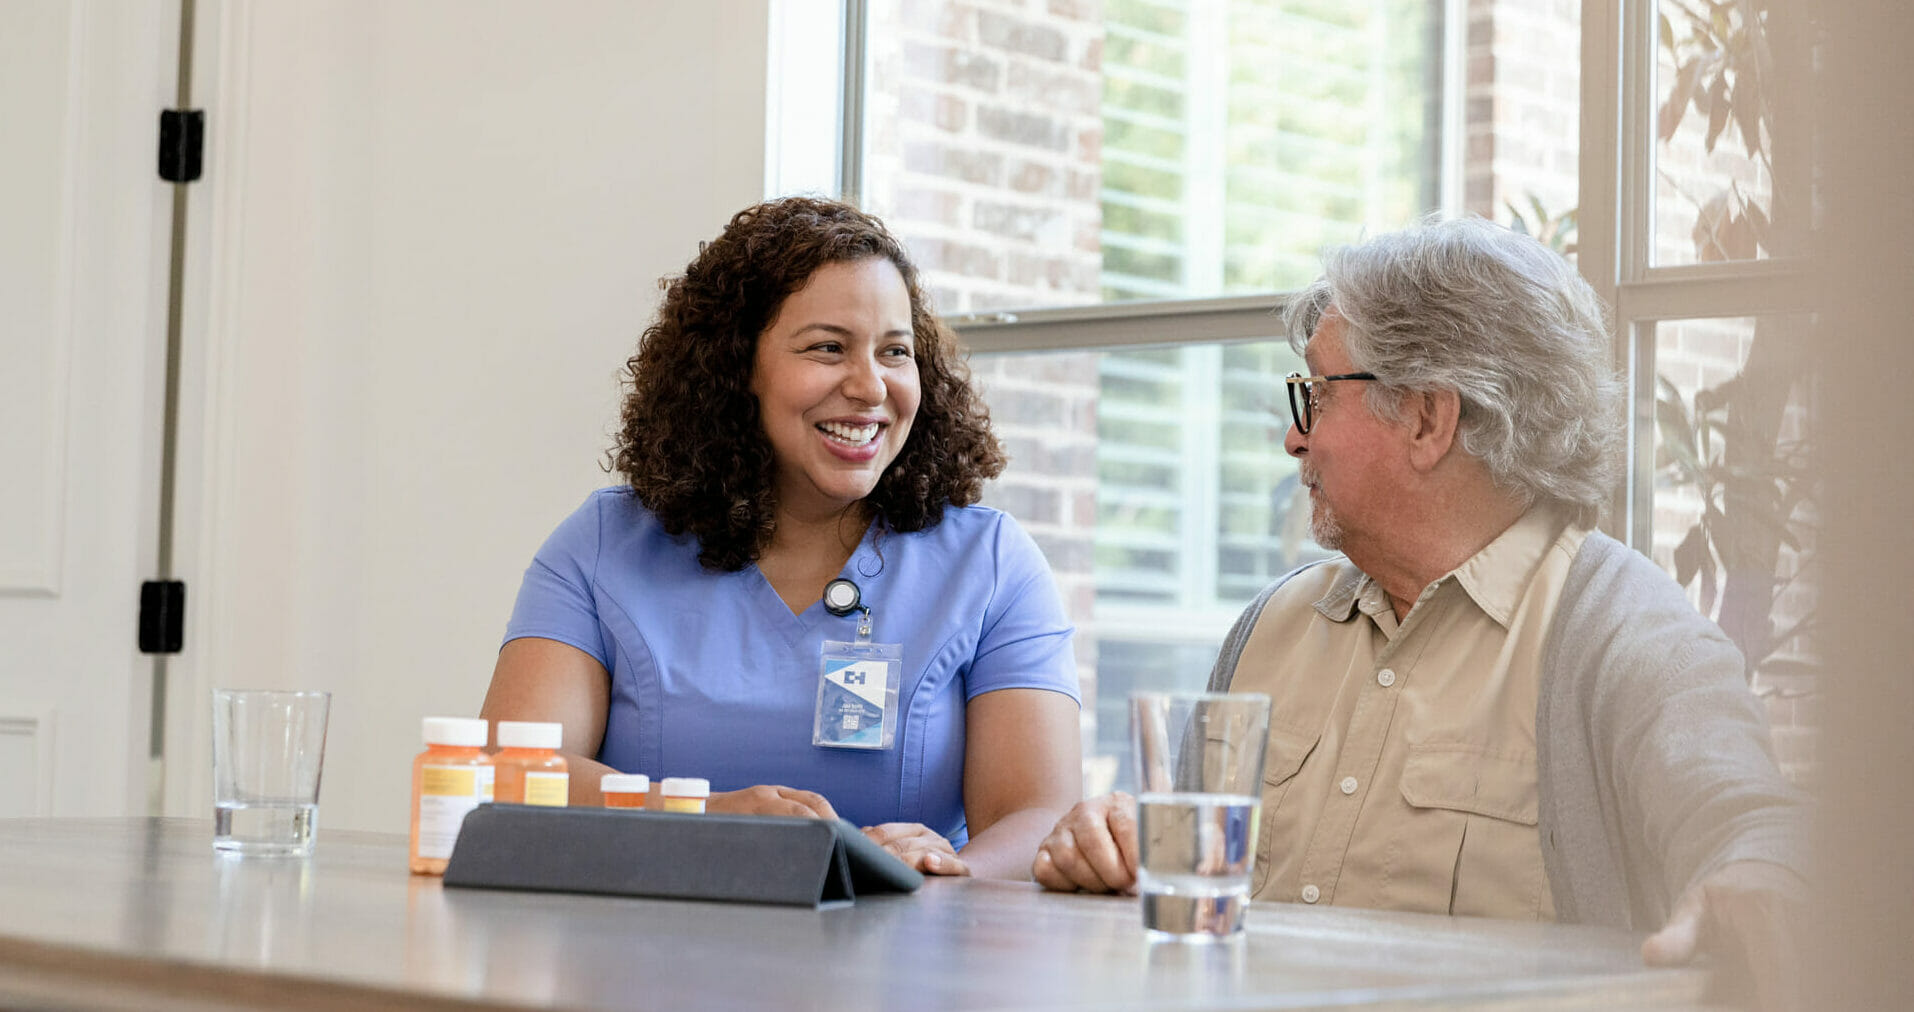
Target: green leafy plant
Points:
(1723, 71)
(1556, 231)
(1755, 489)
(1757, 495)
(1747, 507)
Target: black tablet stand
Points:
(668, 855)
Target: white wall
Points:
(429, 236)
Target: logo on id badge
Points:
(857, 697)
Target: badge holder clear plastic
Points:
(857, 691)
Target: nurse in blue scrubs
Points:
(797, 416)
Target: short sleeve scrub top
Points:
(713, 676)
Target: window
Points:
(1714, 174)
(1110, 199)
(1146, 149)
(1733, 497)
(1710, 213)
(1239, 138)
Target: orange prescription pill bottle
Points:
(685, 794)
(530, 770)
(450, 778)
(624, 790)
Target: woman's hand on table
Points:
(768, 799)
(919, 846)
(1092, 848)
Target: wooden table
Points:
(143, 913)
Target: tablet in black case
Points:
(671, 855)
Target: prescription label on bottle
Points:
(548, 789)
(446, 794)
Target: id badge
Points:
(857, 695)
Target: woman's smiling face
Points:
(836, 380)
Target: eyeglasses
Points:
(1305, 395)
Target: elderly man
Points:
(1485, 706)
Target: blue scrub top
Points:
(713, 676)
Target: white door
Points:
(84, 221)
(428, 237)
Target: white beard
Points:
(1324, 527)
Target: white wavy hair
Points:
(1507, 323)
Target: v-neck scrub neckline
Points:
(863, 558)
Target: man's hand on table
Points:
(1092, 848)
(919, 846)
(1746, 916)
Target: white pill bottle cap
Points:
(462, 732)
(529, 734)
(630, 783)
(685, 787)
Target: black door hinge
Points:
(182, 136)
(162, 616)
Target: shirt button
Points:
(1311, 894)
(1349, 785)
(1386, 677)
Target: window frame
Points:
(1616, 235)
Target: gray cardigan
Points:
(1653, 760)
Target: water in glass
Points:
(1197, 851)
(264, 828)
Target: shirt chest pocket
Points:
(1287, 751)
(1469, 844)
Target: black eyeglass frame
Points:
(1302, 400)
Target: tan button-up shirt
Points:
(1401, 771)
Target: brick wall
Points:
(1523, 106)
(985, 158)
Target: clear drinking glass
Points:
(267, 750)
(1199, 775)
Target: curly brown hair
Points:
(691, 444)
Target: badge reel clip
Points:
(841, 597)
(857, 681)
